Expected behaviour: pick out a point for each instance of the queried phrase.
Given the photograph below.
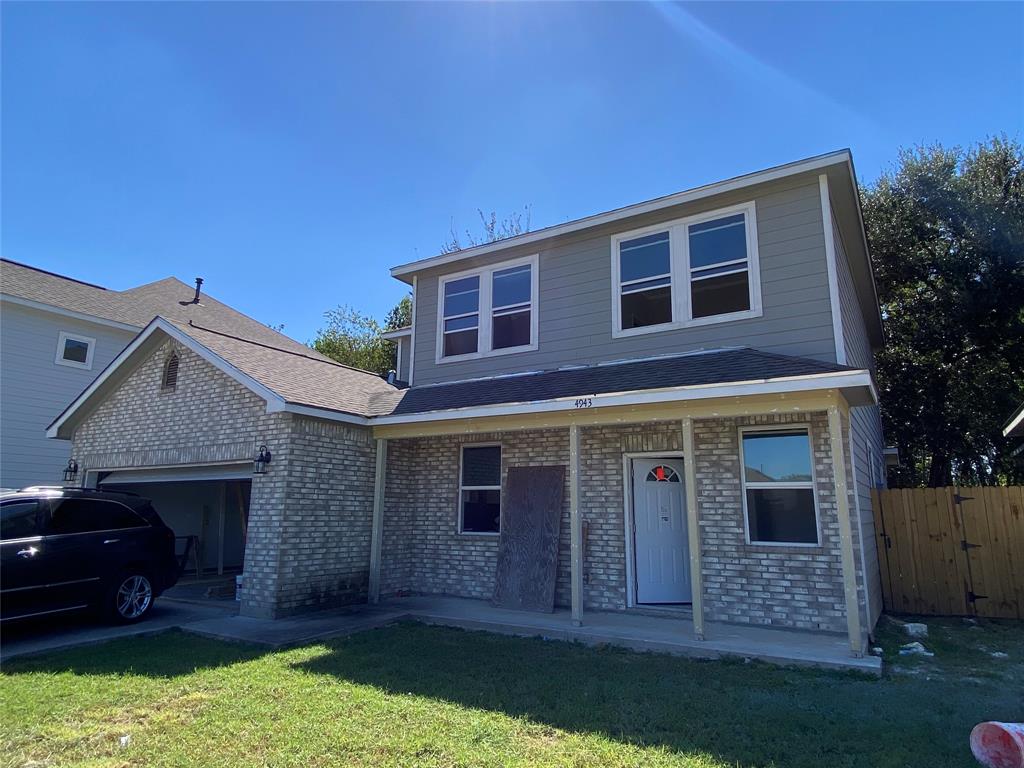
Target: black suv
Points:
(67, 548)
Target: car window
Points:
(86, 515)
(18, 519)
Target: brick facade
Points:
(307, 544)
(310, 515)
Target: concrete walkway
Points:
(639, 632)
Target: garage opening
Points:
(210, 505)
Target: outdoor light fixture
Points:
(259, 464)
(71, 471)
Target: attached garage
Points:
(208, 503)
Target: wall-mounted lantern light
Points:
(71, 471)
(259, 464)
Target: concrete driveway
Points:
(30, 636)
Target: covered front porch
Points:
(738, 588)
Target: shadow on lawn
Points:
(745, 714)
(172, 653)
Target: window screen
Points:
(480, 489)
(645, 279)
(719, 268)
(461, 321)
(779, 487)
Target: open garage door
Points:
(209, 503)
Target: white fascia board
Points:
(792, 384)
(318, 413)
(159, 324)
(400, 333)
(832, 265)
(1014, 422)
(84, 316)
(740, 182)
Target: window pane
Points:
(511, 286)
(720, 240)
(86, 515)
(777, 456)
(511, 330)
(460, 343)
(481, 511)
(18, 520)
(782, 515)
(644, 257)
(720, 295)
(481, 465)
(462, 296)
(644, 308)
(461, 323)
(76, 351)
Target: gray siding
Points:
(403, 358)
(866, 426)
(35, 389)
(575, 322)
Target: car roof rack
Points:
(39, 488)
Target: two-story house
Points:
(696, 368)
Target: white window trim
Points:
(65, 336)
(679, 268)
(458, 501)
(812, 484)
(486, 314)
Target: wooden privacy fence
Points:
(952, 551)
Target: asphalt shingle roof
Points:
(724, 366)
(138, 306)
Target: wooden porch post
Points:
(377, 530)
(835, 433)
(575, 526)
(693, 527)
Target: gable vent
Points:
(170, 377)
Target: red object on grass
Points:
(998, 745)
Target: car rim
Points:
(134, 597)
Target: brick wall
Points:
(756, 584)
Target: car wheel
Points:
(131, 597)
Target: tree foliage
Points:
(514, 224)
(946, 230)
(353, 338)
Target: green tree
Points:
(946, 230)
(353, 338)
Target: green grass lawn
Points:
(418, 695)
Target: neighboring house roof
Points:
(686, 370)
(136, 307)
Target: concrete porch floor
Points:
(641, 632)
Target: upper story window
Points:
(694, 271)
(489, 311)
(74, 350)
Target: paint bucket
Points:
(238, 587)
(998, 745)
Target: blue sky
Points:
(291, 153)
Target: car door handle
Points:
(111, 541)
(30, 552)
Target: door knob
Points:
(30, 552)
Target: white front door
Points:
(659, 532)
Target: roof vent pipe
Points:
(391, 377)
(195, 299)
